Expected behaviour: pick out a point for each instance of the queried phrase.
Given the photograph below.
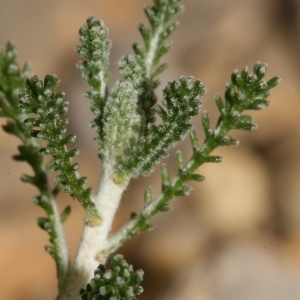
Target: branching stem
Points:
(198, 159)
(93, 238)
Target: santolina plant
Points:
(130, 144)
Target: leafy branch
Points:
(130, 143)
(95, 50)
(12, 80)
(40, 99)
(155, 45)
(139, 72)
(245, 92)
(182, 100)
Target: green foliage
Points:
(125, 115)
(133, 69)
(12, 80)
(161, 18)
(181, 100)
(95, 50)
(245, 92)
(120, 282)
(130, 143)
(123, 124)
(47, 124)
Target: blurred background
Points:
(238, 235)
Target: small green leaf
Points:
(145, 227)
(65, 214)
(95, 50)
(213, 159)
(62, 179)
(196, 177)
(164, 207)
(165, 176)
(209, 132)
(29, 179)
(147, 196)
(273, 82)
(43, 223)
(51, 251)
(183, 191)
(179, 160)
(194, 141)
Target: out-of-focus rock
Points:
(242, 270)
(254, 192)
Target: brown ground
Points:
(238, 235)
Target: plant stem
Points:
(198, 159)
(94, 238)
(59, 242)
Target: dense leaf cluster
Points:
(12, 81)
(245, 92)
(46, 123)
(119, 282)
(95, 50)
(130, 143)
(123, 125)
(134, 97)
(181, 100)
(133, 70)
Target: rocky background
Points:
(238, 235)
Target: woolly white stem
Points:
(152, 50)
(94, 238)
(63, 255)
